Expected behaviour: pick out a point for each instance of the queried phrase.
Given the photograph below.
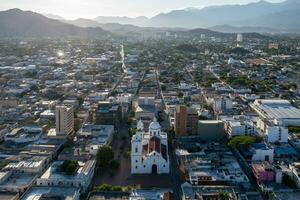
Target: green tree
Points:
(132, 132)
(223, 195)
(104, 156)
(114, 165)
(242, 142)
(80, 100)
(69, 167)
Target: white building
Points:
(64, 120)
(275, 116)
(262, 152)
(277, 134)
(81, 179)
(149, 150)
(235, 128)
(277, 111)
(24, 134)
(222, 104)
(239, 37)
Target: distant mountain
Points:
(80, 22)
(287, 21)
(258, 16)
(120, 29)
(219, 15)
(243, 29)
(53, 16)
(18, 23)
(137, 21)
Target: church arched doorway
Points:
(154, 169)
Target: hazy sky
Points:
(91, 8)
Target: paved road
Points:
(174, 168)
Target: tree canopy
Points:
(104, 156)
(69, 167)
(241, 142)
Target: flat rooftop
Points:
(277, 109)
(38, 193)
(17, 180)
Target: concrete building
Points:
(263, 172)
(64, 120)
(239, 37)
(186, 121)
(222, 104)
(16, 181)
(149, 150)
(108, 113)
(236, 128)
(80, 180)
(145, 109)
(295, 172)
(211, 130)
(262, 152)
(277, 111)
(95, 136)
(277, 134)
(42, 193)
(24, 135)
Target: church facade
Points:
(149, 150)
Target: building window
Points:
(164, 165)
(136, 167)
(136, 161)
(144, 166)
(136, 149)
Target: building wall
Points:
(192, 124)
(262, 154)
(211, 130)
(277, 134)
(64, 120)
(139, 166)
(180, 121)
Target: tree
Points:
(69, 167)
(114, 165)
(294, 129)
(108, 188)
(241, 142)
(223, 195)
(104, 156)
(288, 181)
(34, 87)
(132, 132)
(80, 100)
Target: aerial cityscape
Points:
(190, 100)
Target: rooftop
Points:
(39, 193)
(277, 109)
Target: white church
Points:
(149, 150)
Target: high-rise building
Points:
(186, 121)
(64, 120)
(239, 37)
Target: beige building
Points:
(186, 121)
(64, 120)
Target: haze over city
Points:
(72, 9)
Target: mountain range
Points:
(260, 16)
(18, 23)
